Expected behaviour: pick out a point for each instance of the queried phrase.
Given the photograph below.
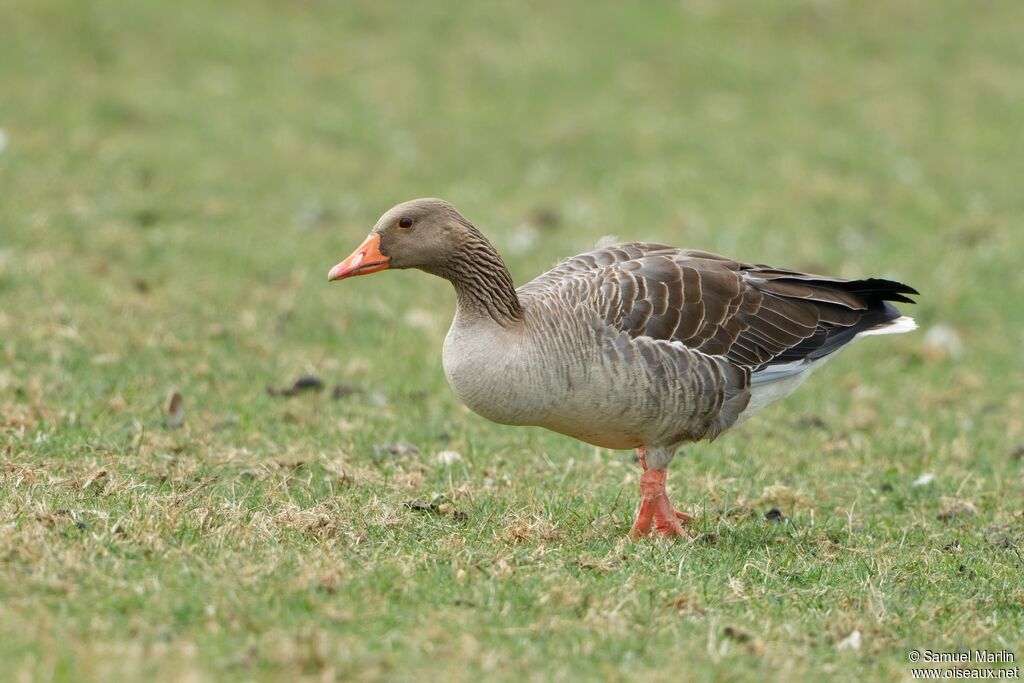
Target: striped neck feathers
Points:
(483, 285)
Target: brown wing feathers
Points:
(821, 313)
(753, 315)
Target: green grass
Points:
(177, 180)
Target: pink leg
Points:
(641, 456)
(655, 507)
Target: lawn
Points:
(177, 178)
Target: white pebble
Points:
(924, 479)
(449, 457)
(850, 642)
(943, 337)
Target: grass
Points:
(176, 182)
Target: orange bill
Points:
(364, 260)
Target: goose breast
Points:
(563, 369)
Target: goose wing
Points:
(754, 315)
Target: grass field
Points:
(176, 180)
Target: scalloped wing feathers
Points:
(717, 326)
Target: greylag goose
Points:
(635, 345)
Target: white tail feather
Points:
(898, 326)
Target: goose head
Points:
(421, 233)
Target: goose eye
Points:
(405, 222)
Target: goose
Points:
(633, 346)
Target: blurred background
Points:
(177, 178)
(171, 170)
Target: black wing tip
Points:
(872, 288)
(882, 290)
(892, 285)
